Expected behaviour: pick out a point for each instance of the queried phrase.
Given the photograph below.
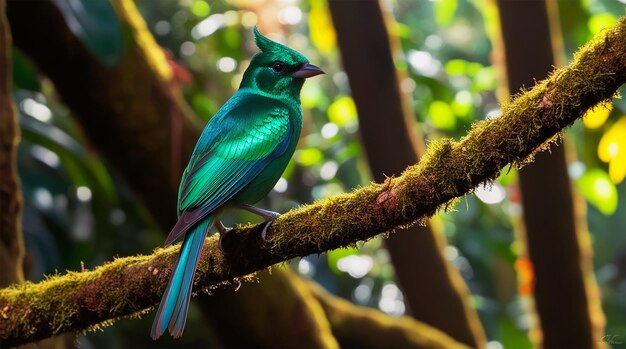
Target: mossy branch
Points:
(363, 327)
(82, 300)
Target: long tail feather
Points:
(172, 312)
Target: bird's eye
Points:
(278, 66)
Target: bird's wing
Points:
(254, 133)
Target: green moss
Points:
(155, 57)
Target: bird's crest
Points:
(265, 44)
(273, 48)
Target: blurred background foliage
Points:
(78, 210)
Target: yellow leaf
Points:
(321, 27)
(612, 141)
(612, 149)
(617, 169)
(342, 111)
(595, 117)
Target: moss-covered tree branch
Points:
(362, 327)
(79, 301)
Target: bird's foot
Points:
(222, 230)
(269, 216)
(264, 231)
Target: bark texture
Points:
(449, 169)
(11, 240)
(561, 264)
(435, 292)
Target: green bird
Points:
(238, 159)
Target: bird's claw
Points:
(222, 230)
(264, 231)
(219, 243)
(269, 216)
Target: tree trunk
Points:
(12, 250)
(11, 240)
(564, 287)
(435, 291)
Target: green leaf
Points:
(456, 67)
(601, 21)
(441, 116)
(309, 156)
(24, 73)
(507, 176)
(462, 104)
(485, 79)
(200, 8)
(512, 336)
(204, 106)
(313, 96)
(444, 11)
(96, 24)
(81, 167)
(597, 187)
(335, 255)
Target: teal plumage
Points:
(238, 159)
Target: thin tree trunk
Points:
(435, 291)
(11, 240)
(554, 228)
(12, 249)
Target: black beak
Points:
(307, 70)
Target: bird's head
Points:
(277, 69)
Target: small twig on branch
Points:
(80, 301)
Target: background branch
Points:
(360, 327)
(449, 169)
(352, 326)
